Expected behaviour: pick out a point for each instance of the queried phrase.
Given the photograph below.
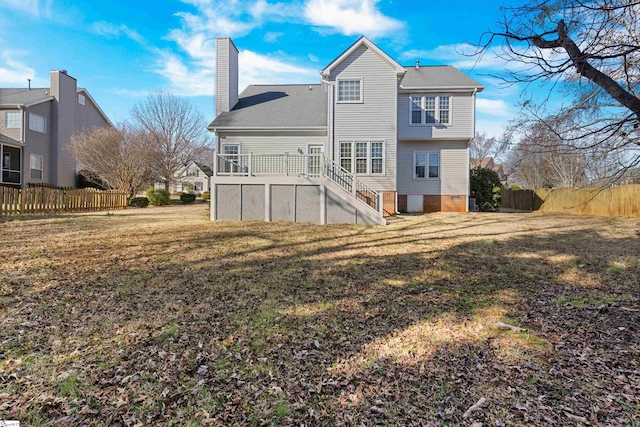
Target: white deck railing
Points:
(312, 165)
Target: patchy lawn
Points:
(157, 316)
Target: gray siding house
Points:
(36, 126)
(373, 138)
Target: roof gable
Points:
(368, 43)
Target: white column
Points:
(323, 204)
(212, 201)
(267, 202)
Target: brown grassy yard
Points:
(159, 317)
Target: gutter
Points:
(445, 88)
(274, 129)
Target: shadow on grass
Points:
(323, 325)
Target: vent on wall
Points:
(81, 99)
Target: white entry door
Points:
(315, 153)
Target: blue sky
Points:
(121, 50)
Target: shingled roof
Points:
(21, 96)
(276, 107)
(437, 76)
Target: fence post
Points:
(250, 167)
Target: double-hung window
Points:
(36, 165)
(12, 119)
(428, 110)
(426, 165)
(37, 123)
(362, 154)
(350, 90)
(346, 155)
(362, 157)
(376, 157)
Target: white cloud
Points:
(33, 7)
(313, 58)
(13, 72)
(460, 56)
(351, 17)
(494, 107)
(107, 29)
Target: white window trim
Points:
(437, 109)
(81, 99)
(6, 113)
(361, 101)
(426, 171)
(369, 158)
(32, 168)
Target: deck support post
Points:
(212, 201)
(267, 202)
(323, 204)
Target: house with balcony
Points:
(35, 127)
(370, 139)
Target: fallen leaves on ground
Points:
(160, 317)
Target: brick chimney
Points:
(226, 75)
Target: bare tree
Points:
(119, 157)
(177, 133)
(589, 51)
(541, 159)
(482, 146)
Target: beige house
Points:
(35, 127)
(371, 138)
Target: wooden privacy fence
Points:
(19, 201)
(623, 200)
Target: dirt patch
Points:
(158, 316)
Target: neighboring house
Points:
(193, 178)
(489, 163)
(373, 138)
(36, 126)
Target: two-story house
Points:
(35, 127)
(372, 139)
(194, 177)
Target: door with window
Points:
(230, 158)
(315, 157)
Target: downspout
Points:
(475, 90)
(23, 137)
(332, 114)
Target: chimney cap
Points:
(417, 64)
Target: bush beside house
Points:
(486, 188)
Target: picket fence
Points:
(42, 200)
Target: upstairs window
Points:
(12, 119)
(430, 110)
(37, 123)
(350, 90)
